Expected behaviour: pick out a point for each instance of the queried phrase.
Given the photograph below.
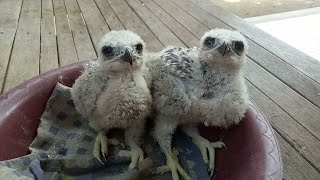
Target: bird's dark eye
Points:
(139, 48)
(210, 42)
(238, 47)
(107, 50)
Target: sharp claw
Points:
(96, 154)
(104, 156)
(207, 150)
(210, 172)
(101, 147)
(224, 146)
(177, 168)
(136, 156)
(99, 159)
(218, 144)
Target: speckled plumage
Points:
(199, 85)
(112, 91)
(225, 97)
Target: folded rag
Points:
(64, 144)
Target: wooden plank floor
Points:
(39, 35)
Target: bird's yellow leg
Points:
(206, 147)
(173, 166)
(136, 155)
(163, 133)
(100, 146)
(132, 138)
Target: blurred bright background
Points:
(296, 22)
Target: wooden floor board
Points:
(294, 104)
(295, 58)
(49, 52)
(304, 141)
(181, 32)
(298, 136)
(109, 15)
(294, 166)
(9, 16)
(160, 30)
(291, 102)
(200, 15)
(26, 48)
(39, 35)
(132, 22)
(94, 20)
(80, 33)
(182, 17)
(302, 84)
(298, 81)
(66, 48)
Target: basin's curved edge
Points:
(22, 106)
(274, 165)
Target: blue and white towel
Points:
(64, 144)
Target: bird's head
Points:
(121, 50)
(223, 47)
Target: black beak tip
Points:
(224, 49)
(127, 57)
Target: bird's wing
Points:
(87, 87)
(147, 76)
(179, 62)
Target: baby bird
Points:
(224, 99)
(112, 92)
(172, 91)
(198, 85)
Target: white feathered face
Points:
(224, 47)
(120, 50)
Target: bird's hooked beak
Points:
(224, 48)
(127, 56)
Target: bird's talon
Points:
(207, 150)
(218, 144)
(210, 172)
(99, 159)
(135, 154)
(104, 156)
(100, 147)
(174, 166)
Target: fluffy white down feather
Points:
(193, 82)
(111, 92)
(199, 85)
